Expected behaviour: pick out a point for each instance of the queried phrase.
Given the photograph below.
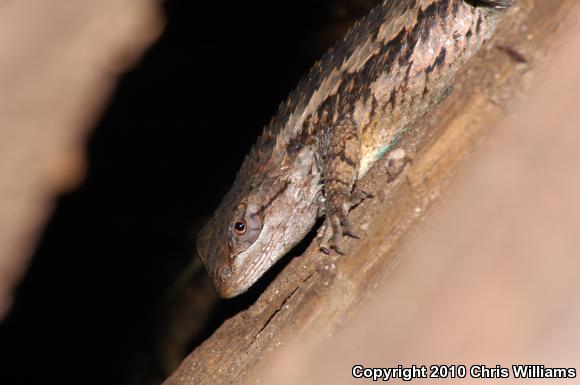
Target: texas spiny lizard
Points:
(392, 67)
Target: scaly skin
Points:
(391, 68)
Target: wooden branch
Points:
(58, 69)
(316, 291)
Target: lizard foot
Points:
(336, 224)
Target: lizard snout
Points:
(213, 252)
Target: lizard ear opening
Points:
(244, 228)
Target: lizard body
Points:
(391, 68)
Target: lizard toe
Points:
(359, 195)
(324, 236)
(331, 232)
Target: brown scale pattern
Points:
(392, 66)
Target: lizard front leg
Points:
(341, 156)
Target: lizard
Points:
(393, 66)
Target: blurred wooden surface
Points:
(317, 293)
(59, 61)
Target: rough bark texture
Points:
(318, 292)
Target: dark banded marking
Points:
(339, 181)
(280, 191)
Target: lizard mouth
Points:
(205, 238)
(214, 255)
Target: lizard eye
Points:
(225, 273)
(240, 227)
(244, 228)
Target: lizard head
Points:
(257, 222)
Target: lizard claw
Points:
(358, 196)
(329, 234)
(336, 225)
(347, 228)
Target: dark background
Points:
(160, 159)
